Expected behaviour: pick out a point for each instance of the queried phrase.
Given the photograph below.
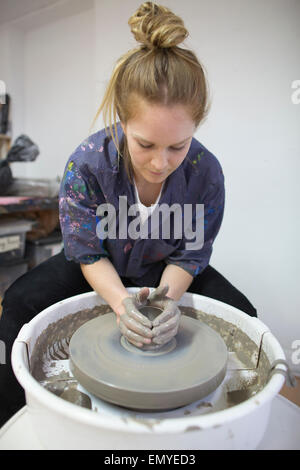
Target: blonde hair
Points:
(158, 71)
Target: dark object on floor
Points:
(4, 113)
(23, 150)
(6, 177)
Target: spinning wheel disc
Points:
(188, 368)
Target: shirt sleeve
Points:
(79, 198)
(195, 261)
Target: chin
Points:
(157, 178)
(150, 178)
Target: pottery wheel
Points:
(191, 366)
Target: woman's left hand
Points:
(135, 326)
(166, 325)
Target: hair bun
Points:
(155, 26)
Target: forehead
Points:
(158, 123)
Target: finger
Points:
(162, 302)
(165, 338)
(142, 295)
(134, 313)
(137, 345)
(159, 293)
(166, 326)
(171, 310)
(132, 324)
(131, 335)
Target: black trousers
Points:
(57, 279)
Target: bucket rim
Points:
(172, 425)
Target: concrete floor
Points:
(292, 394)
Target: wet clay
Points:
(174, 378)
(53, 345)
(246, 351)
(66, 388)
(53, 342)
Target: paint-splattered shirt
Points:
(94, 175)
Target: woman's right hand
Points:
(135, 326)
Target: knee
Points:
(10, 296)
(17, 301)
(244, 304)
(250, 310)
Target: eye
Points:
(145, 146)
(177, 148)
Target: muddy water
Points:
(52, 346)
(237, 341)
(53, 342)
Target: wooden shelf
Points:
(5, 141)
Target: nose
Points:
(159, 162)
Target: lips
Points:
(157, 174)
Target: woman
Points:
(159, 93)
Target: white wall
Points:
(50, 76)
(12, 73)
(251, 53)
(59, 84)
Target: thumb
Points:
(159, 293)
(142, 295)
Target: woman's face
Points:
(158, 140)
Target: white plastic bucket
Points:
(63, 425)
